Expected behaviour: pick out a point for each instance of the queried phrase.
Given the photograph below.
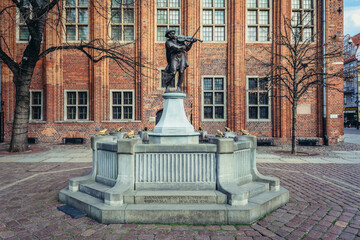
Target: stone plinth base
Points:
(163, 138)
(174, 127)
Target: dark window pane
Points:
(219, 112)
(83, 16)
(115, 15)
(264, 112)
(116, 33)
(208, 112)
(174, 3)
(263, 82)
(219, 98)
(129, 33)
(208, 84)
(70, 2)
(24, 33)
(116, 3)
(208, 98)
(161, 33)
(253, 113)
(36, 113)
(263, 98)
(83, 33)
(116, 97)
(116, 112)
(128, 15)
(219, 84)
(252, 83)
(70, 33)
(71, 15)
(83, 3)
(71, 113)
(253, 98)
(36, 98)
(82, 112)
(71, 98)
(127, 112)
(82, 98)
(129, 2)
(127, 97)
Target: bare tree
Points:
(297, 68)
(36, 15)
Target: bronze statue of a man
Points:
(176, 49)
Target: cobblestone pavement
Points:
(324, 204)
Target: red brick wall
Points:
(72, 70)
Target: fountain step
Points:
(239, 195)
(257, 207)
(94, 189)
(175, 197)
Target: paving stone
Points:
(88, 233)
(346, 235)
(341, 224)
(212, 227)
(228, 228)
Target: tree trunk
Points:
(293, 135)
(19, 138)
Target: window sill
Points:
(74, 121)
(258, 120)
(213, 120)
(121, 121)
(212, 42)
(258, 42)
(37, 121)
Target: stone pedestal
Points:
(174, 127)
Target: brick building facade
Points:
(72, 97)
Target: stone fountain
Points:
(172, 178)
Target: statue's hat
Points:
(169, 31)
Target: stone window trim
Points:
(224, 91)
(302, 10)
(76, 105)
(76, 24)
(122, 24)
(122, 105)
(34, 105)
(248, 119)
(168, 25)
(214, 25)
(259, 25)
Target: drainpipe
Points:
(326, 139)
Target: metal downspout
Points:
(326, 139)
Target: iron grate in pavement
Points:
(72, 211)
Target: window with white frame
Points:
(214, 20)
(168, 17)
(77, 20)
(122, 20)
(258, 99)
(214, 98)
(302, 18)
(122, 105)
(36, 105)
(76, 105)
(258, 20)
(23, 31)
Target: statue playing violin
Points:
(176, 48)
